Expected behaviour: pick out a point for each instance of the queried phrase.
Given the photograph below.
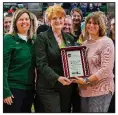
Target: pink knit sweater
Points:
(100, 56)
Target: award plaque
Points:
(74, 62)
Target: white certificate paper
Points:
(75, 63)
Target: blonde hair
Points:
(34, 22)
(99, 20)
(48, 10)
(69, 17)
(82, 37)
(55, 9)
(16, 16)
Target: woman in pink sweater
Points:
(96, 91)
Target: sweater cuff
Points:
(98, 75)
(7, 93)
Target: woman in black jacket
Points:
(52, 87)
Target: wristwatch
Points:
(87, 80)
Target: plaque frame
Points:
(84, 62)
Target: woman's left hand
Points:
(80, 81)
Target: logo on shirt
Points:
(68, 41)
(17, 42)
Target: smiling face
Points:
(23, 23)
(76, 17)
(112, 28)
(67, 25)
(92, 27)
(7, 23)
(57, 21)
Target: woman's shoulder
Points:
(9, 41)
(106, 40)
(42, 34)
(41, 37)
(69, 36)
(8, 35)
(8, 38)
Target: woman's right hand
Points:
(8, 100)
(64, 80)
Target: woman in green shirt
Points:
(19, 63)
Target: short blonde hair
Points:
(55, 9)
(99, 20)
(16, 16)
(48, 10)
(69, 17)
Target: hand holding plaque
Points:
(74, 62)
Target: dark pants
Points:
(55, 101)
(65, 98)
(112, 105)
(75, 99)
(38, 106)
(22, 101)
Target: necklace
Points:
(93, 39)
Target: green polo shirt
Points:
(19, 64)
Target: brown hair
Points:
(102, 14)
(77, 10)
(98, 20)
(16, 16)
